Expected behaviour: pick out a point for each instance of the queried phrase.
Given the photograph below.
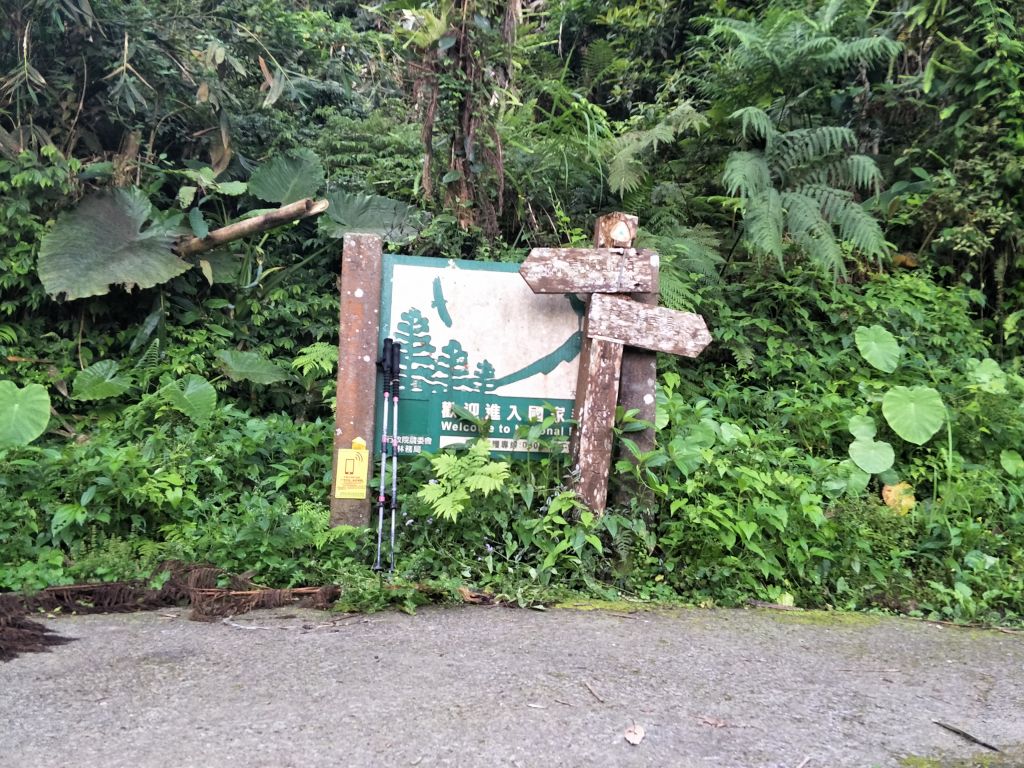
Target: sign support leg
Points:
(596, 416)
(358, 329)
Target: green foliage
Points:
(194, 396)
(394, 221)
(626, 170)
(802, 184)
(102, 243)
(250, 366)
(288, 178)
(24, 413)
(459, 477)
(479, 135)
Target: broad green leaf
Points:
(24, 413)
(250, 366)
(878, 347)
(186, 196)
(862, 427)
(987, 375)
(288, 178)
(872, 456)
(914, 413)
(1012, 463)
(100, 381)
(731, 433)
(393, 220)
(686, 455)
(102, 243)
(194, 396)
(199, 226)
(233, 188)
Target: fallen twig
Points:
(595, 693)
(965, 735)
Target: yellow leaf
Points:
(899, 498)
(207, 269)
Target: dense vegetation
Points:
(836, 187)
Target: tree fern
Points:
(787, 56)
(801, 187)
(628, 152)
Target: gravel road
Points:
(499, 687)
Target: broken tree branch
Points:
(300, 209)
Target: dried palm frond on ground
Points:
(212, 593)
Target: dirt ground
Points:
(500, 687)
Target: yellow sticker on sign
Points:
(353, 471)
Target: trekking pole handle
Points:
(384, 363)
(396, 366)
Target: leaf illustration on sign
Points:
(440, 304)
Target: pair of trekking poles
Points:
(390, 364)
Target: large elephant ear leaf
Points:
(878, 347)
(288, 178)
(393, 220)
(102, 243)
(24, 413)
(250, 366)
(914, 413)
(193, 395)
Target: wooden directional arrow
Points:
(591, 270)
(611, 323)
(656, 328)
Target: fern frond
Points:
(865, 50)
(8, 334)
(829, 13)
(862, 230)
(319, 357)
(746, 174)
(804, 217)
(850, 172)
(806, 146)
(150, 359)
(764, 220)
(688, 250)
(597, 59)
(625, 171)
(756, 122)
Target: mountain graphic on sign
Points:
(426, 370)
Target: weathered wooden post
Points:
(612, 322)
(358, 329)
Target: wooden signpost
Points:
(613, 322)
(622, 329)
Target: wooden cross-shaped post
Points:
(612, 322)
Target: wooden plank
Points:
(581, 394)
(655, 328)
(637, 388)
(358, 330)
(596, 416)
(589, 270)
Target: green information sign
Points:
(475, 336)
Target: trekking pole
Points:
(385, 365)
(396, 374)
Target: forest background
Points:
(835, 186)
